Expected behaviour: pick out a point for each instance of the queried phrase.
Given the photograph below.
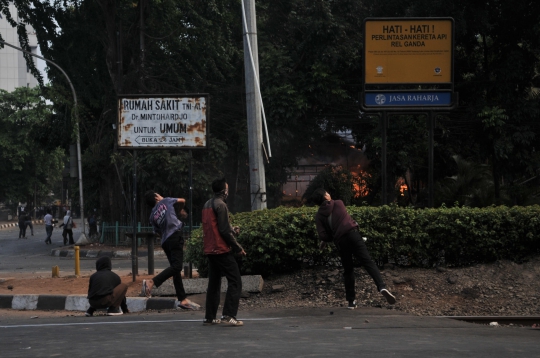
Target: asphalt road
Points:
(266, 333)
(32, 255)
(331, 332)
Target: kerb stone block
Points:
(24, 302)
(77, 303)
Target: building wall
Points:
(13, 69)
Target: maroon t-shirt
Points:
(342, 222)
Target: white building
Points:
(13, 69)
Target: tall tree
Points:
(30, 164)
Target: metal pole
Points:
(431, 120)
(134, 258)
(384, 125)
(190, 275)
(255, 139)
(190, 192)
(76, 112)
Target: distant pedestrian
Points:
(335, 224)
(28, 222)
(48, 226)
(165, 222)
(220, 245)
(22, 225)
(106, 290)
(68, 225)
(92, 223)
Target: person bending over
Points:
(335, 224)
(165, 222)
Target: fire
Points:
(402, 185)
(360, 186)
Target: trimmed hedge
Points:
(283, 239)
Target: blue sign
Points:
(407, 99)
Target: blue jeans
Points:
(174, 249)
(48, 230)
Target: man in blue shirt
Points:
(165, 223)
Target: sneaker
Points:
(211, 322)
(114, 311)
(90, 312)
(389, 297)
(352, 305)
(231, 321)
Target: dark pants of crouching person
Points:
(113, 300)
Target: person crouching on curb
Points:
(334, 223)
(219, 245)
(165, 222)
(106, 290)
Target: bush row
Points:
(284, 239)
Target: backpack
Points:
(69, 224)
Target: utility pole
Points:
(255, 137)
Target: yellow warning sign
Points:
(408, 50)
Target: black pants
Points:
(217, 265)
(29, 224)
(174, 249)
(22, 230)
(65, 234)
(352, 244)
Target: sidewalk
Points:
(7, 224)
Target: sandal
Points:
(145, 290)
(189, 306)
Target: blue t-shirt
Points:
(163, 218)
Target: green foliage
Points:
(29, 163)
(472, 186)
(284, 239)
(336, 180)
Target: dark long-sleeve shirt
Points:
(342, 222)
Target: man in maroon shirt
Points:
(334, 223)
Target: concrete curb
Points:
(3, 226)
(79, 303)
(250, 283)
(96, 253)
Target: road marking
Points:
(125, 322)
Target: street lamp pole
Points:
(75, 109)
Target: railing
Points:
(115, 233)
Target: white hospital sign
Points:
(166, 121)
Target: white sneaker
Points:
(389, 297)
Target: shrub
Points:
(284, 239)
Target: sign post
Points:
(408, 66)
(173, 121)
